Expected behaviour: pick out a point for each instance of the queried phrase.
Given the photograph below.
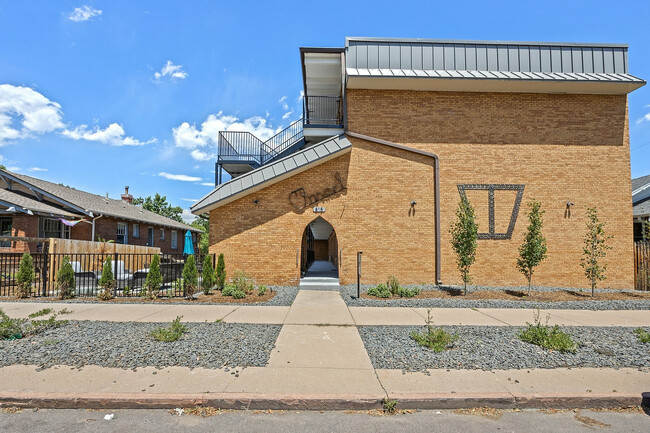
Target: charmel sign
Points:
(300, 199)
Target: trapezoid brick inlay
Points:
(490, 188)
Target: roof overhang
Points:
(273, 173)
(322, 71)
(620, 85)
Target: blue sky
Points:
(102, 94)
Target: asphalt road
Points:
(160, 421)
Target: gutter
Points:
(436, 184)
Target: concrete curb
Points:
(255, 401)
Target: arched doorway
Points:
(319, 251)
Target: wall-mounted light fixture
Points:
(413, 202)
(256, 201)
(567, 211)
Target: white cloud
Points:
(645, 118)
(300, 96)
(192, 200)
(83, 13)
(283, 102)
(181, 177)
(174, 72)
(287, 114)
(187, 216)
(207, 183)
(202, 141)
(113, 134)
(33, 169)
(24, 112)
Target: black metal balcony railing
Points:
(322, 110)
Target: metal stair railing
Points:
(282, 141)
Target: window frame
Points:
(64, 230)
(162, 233)
(3, 220)
(125, 233)
(136, 231)
(174, 240)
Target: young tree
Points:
(154, 280)
(221, 272)
(190, 277)
(65, 279)
(107, 281)
(158, 204)
(25, 276)
(207, 275)
(594, 249)
(464, 236)
(533, 250)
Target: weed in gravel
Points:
(14, 329)
(261, 290)
(380, 291)
(171, 333)
(434, 338)
(543, 335)
(388, 405)
(642, 335)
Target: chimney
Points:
(126, 196)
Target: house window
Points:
(174, 240)
(52, 228)
(150, 236)
(121, 234)
(162, 234)
(136, 231)
(5, 229)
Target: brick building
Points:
(36, 208)
(395, 132)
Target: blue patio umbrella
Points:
(189, 245)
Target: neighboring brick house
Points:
(641, 206)
(36, 208)
(396, 131)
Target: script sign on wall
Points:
(300, 199)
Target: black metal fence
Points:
(642, 265)
(129, 270)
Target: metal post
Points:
(115, 274)
(44, 277)
(359, 274)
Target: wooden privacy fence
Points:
(642, 265)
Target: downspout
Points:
(92, 238)
(436, 184)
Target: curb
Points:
(246, 401)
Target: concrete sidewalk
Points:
(327, 308)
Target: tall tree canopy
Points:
(158, 204)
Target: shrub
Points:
(154, 280)
(220, 273)
(261, 290)
(238, 294)
(594, 249)
(533, 250)
(126, 291)
(643, 335)
(380, 291)
(171, 333)
(436, 339)
(404, 292)
(190, 277)
(25, 276)
(12, 329)
(107, 281)
(548, 337)
(464, 236)
(208, 276)
(65, 279)
(227, 290)
(243, 282)
(393, 285)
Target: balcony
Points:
(322, 112)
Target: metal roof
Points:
(640, 182)
(642, 209)
(272, 173)
(427, 58)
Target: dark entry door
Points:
(150, 237)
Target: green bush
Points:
(404, 292)
(643, 335)
(25, 276)
(65, 279)
(227, 290)
(261, 290)
(243, 282)
(12, 329)
(208, 276)
(380, 291)
(190, 277)
(107, 281)
(548, 337)
(238, 294)
(393, 285)
(436, 339)
(221, 272)
(171, 333)
(154, 280)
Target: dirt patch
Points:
(589, 422)
(213, 298)
(521, 295)
(486, 412)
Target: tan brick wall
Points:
(373, 215)
(562, 147)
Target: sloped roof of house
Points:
(272, 173)
(96, 204)
(639, 182)
(641, 196)
(24, 203)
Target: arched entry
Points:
(319, 251)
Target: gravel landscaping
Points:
(129, 345)
(284, 297)
(498, 347)
(349, 293)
